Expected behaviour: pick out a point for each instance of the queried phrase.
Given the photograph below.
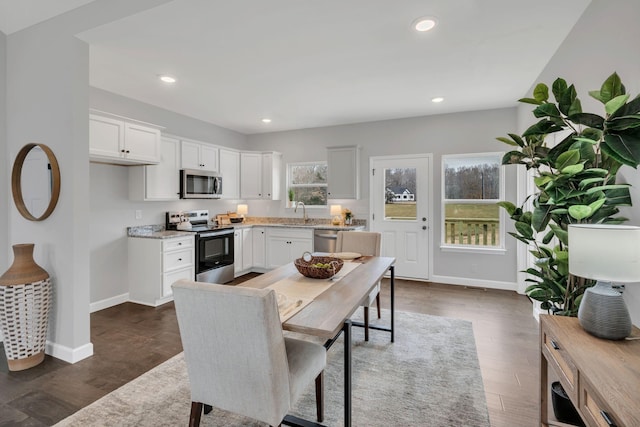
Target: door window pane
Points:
(400, 194)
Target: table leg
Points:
(347, 372)
(392, 284)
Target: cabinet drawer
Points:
(168, 279)
(178, 243)
(561, 361)
(593, 411)
(177, 259)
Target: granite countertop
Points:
(159, 232)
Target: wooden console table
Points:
(601, 377)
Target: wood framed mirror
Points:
(35, 181)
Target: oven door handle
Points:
(215, 233)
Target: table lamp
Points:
(242, 210)
(336, 212)
(609, 254)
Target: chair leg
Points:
(207, 408)
(366, 323)
(320, 397)
(378, 303)
(196, 412)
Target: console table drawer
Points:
(553, 349)
(594, 412)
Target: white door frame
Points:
(429, 157)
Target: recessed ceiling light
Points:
(424, 24)
(266, 120)
(168, 79)
(437, 99)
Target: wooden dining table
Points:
(328, 314)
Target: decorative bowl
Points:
(235, 220)
(306, 266)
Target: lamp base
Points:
(603, 312)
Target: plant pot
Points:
(563, 409)
(25, 301)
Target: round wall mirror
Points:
(35, 182)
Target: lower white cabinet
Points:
(259, 247)
(242, 250)
(155, 264)
(286, 244)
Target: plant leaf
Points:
(618, 196)
(589, 181)
(631, 108)
(541, 217)
(626, 150)
(588, 119)
(612, 106)
(624, 122)
(506, 141)
(575, 108)
(513, 158)
(558, 88)
(530, 101)
(597, 205)
(507, 206)
(524, 229)
(579, 212)
(561, 234)
(573, 169)
(543, 127)
(545, 110)
(568, 158)
(541, 92)
(611, 88)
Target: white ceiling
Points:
(18, 14)
(307, 64)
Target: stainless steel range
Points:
(214, 245)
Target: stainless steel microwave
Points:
(195, 184)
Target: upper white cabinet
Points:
(117, 140)
(260, 175)
(343, 172)
(161, 181)
(230, 172)
(199, 155)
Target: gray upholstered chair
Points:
(364, 243)
(237, 357)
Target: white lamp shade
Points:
(610, 253)
(335, 210)
(242, 209)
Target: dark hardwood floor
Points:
(130, 339)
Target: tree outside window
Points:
(308, 182)
(472, 185)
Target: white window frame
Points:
(499, 249)
(290, 185)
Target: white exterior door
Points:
(400, 197)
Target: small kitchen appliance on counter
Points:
(214, 245)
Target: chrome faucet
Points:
(305, 218)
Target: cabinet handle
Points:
(607, 419)
(179, 259)
(122, 151)
(179, 243)
(128, 151)
(555, 345)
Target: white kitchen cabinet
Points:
(271, 170)
(199, 156)
(242, 250)
(230, 172)
(155, 264)
(161, 181)
(259, 247)
(343, 172)
(286, 244)
(260, 175)
(118, 141)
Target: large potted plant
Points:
(575, 180)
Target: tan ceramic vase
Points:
(25, 301)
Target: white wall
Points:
(111, 211)
(604, 40)
(47, 98)
(470, 132)
(5, 175)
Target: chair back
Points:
(362, 242)
(234, 349)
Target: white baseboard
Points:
(70, 355)
(108, 302)
(476, 283)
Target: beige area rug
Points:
(429, 377)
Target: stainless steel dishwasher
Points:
(324, 240)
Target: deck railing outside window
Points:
(471, 231)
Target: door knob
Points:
(424, 227)
(424, 219)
